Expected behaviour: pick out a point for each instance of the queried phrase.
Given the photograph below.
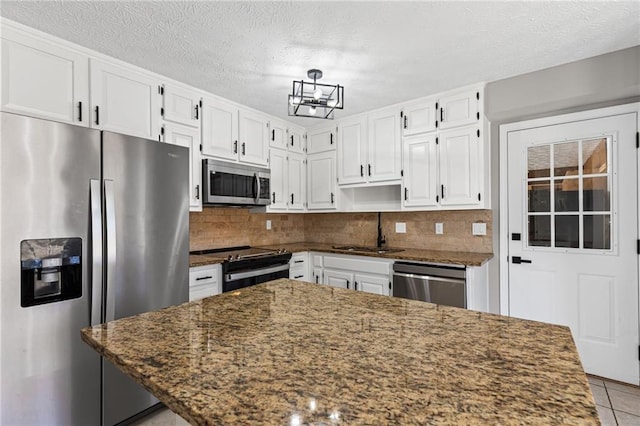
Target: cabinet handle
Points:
(97, 116)
(273, 134)
(347, 283)
(442, 191)
(405, 121)
(291, 198)
(369, 169)
(273, 197)
(332, 198)
(316, 279)
(298, 276)
(235, 147)
(80, 111)
(406, 192)
(355, 283)
(197, 192)
(208, 277)
(361, 170)
(291, 140)
(197, 113)
(244, 152)
(331, 139)
(441, 114)
(298, 261)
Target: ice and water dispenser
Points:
(51, 270)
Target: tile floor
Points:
(617, 404)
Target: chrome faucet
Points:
(381, 239)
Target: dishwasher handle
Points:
(429, 277)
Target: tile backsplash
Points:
(226, 227)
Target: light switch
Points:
(401, 228)
(268, 224)
(479, 229)
(439, 228)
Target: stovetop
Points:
(233, 254)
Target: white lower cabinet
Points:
(378, 284)
(205, 281)
(299, 267)
(341, 279)
(371, 275)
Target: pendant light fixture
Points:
(315, 100)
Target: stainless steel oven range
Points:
(246, 266)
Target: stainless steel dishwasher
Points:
(444, 285)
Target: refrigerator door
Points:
(49, 376)
(146, 187)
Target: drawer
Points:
(358, 265)
(202, 291)
(205, 281)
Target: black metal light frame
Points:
(302, 97)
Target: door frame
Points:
(505, 129)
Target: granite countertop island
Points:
(288, 352)
(412, 254)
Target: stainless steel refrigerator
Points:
(93, 227)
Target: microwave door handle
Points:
(258, 186)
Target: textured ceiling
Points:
(381, 52)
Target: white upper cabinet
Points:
(321, 139)
(278, 134)
(278, 181)
(419, 187)
(352, 150)
(42, 79)
(253, 138)
(460, 166)
(459, 109)
(219, 129)
(384, 151)
(296, 139)
(321, 183)
(419, 117)
(180, 105)
(189, 137)
(297, 181)
(124, 100)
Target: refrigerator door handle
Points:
(110, 235)
(96, 252)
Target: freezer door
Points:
(146, 209)
(49, 376)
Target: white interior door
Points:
(572, 230)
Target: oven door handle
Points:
(256, 272)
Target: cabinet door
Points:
(460, 162)
(219, 129)
(43, 80)
(253, 138)
(340, 279)
(277, 134)
(296, 140)
(321, 183)
(124, 101)
(420, 171)
(279, 179)
(188, 137)
(459, 109)
(180, 105)
(385, 148)
(320, 140)
(419, 117)
(297, 181)
(372, 284)
(352, 154)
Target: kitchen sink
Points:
(367, 249)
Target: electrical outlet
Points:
(439, 228)
(479, 229)
(401, 228)
(268, 224)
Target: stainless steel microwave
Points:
(235, 184)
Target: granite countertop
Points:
(418, 255)
(288, 352)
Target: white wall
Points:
(605, 80)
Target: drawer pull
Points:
(298, 276)
(208, 277)
(298, 261)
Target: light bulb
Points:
(317, 94)
(312, 110)
(294, 100)
(331, 103)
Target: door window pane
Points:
(540, 231)
(539, 196)
(565, 159)
(597, 232)
(596, 196)
(566, 195)
(567, 230)
(594, 156)
(538, 161)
